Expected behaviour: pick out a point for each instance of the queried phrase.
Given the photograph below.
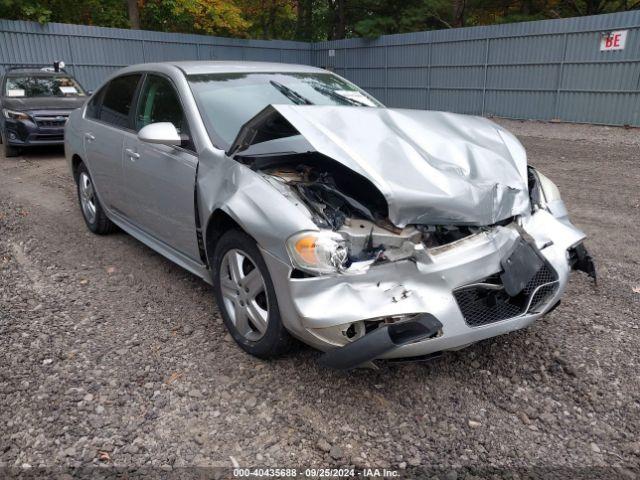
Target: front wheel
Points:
(246, 297)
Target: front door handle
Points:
(133, 156)
(89, 136)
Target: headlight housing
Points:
(319, 252)
(14, 115)
(543, 191)
(549, 189)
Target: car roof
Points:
(229, 66)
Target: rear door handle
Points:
(89, 136)
(133, 156)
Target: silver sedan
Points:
(318, 214)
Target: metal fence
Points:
(92, 53)
(551, 69)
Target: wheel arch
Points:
(76, 160)
(218, 224)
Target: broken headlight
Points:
(318, 252)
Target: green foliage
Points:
(110, 13)
(309, 20)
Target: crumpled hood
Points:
(432, 167)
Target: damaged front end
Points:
(421, 245)
(355, 232)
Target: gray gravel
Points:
(111, 355)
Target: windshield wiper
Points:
(292, 95)
(337, 96)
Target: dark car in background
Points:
(35, 104)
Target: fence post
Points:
(556, 100)
(72, 63)
(429, 50)
(484, 82)
(144, 53)
(386, 73)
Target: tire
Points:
(90, 206)
(244, 297)
(8, 150)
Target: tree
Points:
(134, 14)
(304, 20)
(301, 19)
(270, 18)
(458, 7)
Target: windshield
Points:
(227, 101)
(43, 86)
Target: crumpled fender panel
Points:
(432, 167)
(261, 210)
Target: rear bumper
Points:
(319, 310)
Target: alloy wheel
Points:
(244, 293)
(87, 197)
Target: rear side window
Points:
(117, 100)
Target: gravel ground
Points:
(111, 355)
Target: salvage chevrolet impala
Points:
(318, 214)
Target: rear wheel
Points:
(246, 297)
(92, 211)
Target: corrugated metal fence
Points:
(551, 69)
(92, 53)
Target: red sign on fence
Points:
(613, 40)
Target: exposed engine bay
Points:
(336, 198)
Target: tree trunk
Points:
(300, 19)
(134, 14)
(341, 27)
(458, 12)
(331, 24)
(308, 20)
(273, 10)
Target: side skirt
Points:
(193, 266)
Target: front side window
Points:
(227, 101)
(30, 86)
(159, 102)
(117, 100)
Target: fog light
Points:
(12, 136)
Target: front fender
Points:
(259, 208)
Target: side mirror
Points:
(163, 133)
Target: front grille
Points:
(51, 121)
(487, 302)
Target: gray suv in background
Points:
(34, 106)
(318, 213)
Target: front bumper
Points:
(25, 133)
(318, 309)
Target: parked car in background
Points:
(34, 105)
(317, 213)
